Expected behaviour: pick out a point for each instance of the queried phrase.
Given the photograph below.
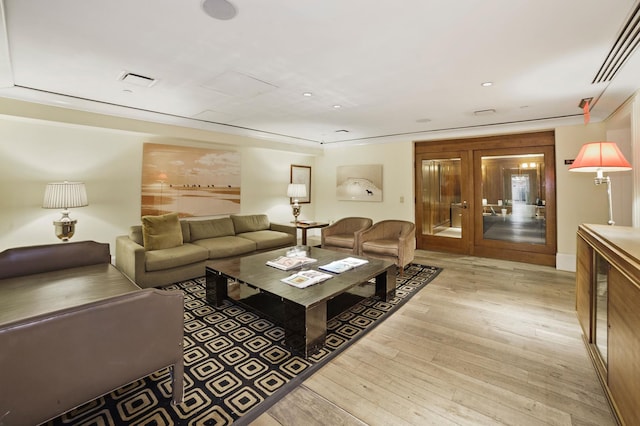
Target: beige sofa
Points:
(73, 328)
(200, 240)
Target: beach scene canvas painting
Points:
(190, 181)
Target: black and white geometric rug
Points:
(235, 364)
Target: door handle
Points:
(464, 204)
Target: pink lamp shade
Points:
(600, 156)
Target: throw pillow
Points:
(161, 232)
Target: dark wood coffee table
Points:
(304, 226)
(301, 312)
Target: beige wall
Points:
(397, 181)
(34, 152)
(576, 194)
(107, 155)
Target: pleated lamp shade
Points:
(64, 195)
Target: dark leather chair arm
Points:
(19, 261)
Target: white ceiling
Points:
(408, 69)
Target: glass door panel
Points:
(442, 205)
(601, 331)
(441, 199)
(513, 198)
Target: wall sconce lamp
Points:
(296, 191)
(64, 195)
(600, 157)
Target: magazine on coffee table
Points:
(286, 263)
(343, 265)
(304, 279)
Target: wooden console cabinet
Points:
(608, 309)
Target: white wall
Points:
(397, 181)
(578, 199)
(35, 152)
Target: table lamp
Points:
(600, 157)
(296, 191)
(63, 195)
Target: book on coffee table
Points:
(304, 279)
(286, 263)
(342, 265)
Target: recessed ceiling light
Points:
(219, 9)
(307, 94)
(487, 84)
(337, 106)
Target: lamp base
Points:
(65, 227)
(296, 212)
(599, 180)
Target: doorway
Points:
(443, 197)
(491, 197)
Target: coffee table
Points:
(302, 312)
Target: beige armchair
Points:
(393, 240)
(343, 235)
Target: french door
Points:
(444, 196)
(490, 197)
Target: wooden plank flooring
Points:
(487, 342)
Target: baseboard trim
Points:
(566, 262)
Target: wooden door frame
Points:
(545, 141)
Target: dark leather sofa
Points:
(73, 328)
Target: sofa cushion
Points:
(269, 239)
(226, 246)
(135, 233)
(250, 222)
(186, 254)
(211, 228)
(161, 232)
(381, 247)
(340, 240)
(186, 231)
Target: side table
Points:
(305, 225)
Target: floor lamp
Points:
(600, 157)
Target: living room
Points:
(506, 330)
(44, 144)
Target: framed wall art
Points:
(301, 174)
(359, 183)
(189, 181)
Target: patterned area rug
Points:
(235, 365)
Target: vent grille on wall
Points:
(622, 49)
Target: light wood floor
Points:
(487, 342)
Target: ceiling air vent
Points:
(625, 44)
(137, 79)
(484, 112)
